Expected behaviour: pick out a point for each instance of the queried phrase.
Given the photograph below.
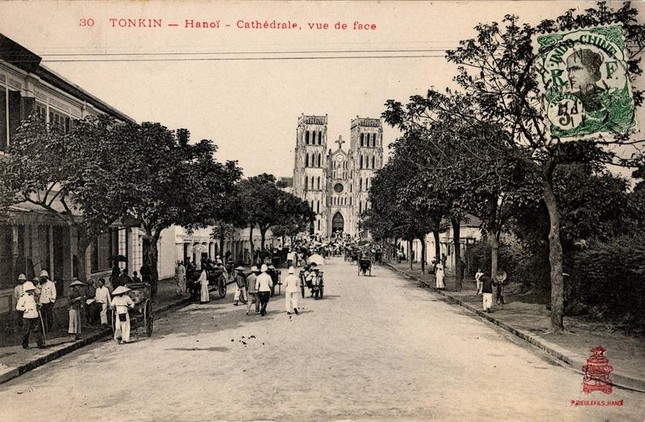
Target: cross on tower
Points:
(340, 142)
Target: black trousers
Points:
(47, 312)
(29, 325)
(264, 299)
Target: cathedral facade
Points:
(335, 182)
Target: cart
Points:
(314, 282)
(365, 266)
(141, 313)
(317, 284)
(215, 277)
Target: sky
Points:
(245, 88)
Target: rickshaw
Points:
(355, 254)
(215, 277)
(314, 281)
(365, 266)
(141, 313)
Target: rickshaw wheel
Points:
(147, 317)
(221, 288)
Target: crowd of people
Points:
(105, 301)
(87, 304)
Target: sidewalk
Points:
(530, 322)
(15, 361)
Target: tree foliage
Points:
(76, 176)
(174, 182)
(497, 79)
(264, 204)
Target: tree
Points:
(8, 195)
(174, 182)
(259, 198)
(76, 176)
(498, 74)
(399, 206)
(294, 214)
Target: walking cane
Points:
(42, 325)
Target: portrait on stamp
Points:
(583, 77)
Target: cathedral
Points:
(335, 181)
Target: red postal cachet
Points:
(597, 370)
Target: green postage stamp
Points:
(583, 76)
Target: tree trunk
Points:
(437, 246)
(410, 253)
(423, 254)
(555, 258)
(221, 241)
(83, 244)
(151, 259)
(494, 253)
(251, 242)
(456, 237)
(263, 233)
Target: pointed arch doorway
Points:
(337, 223)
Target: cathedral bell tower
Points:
(310, 168)
(366, 153)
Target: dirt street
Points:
(374, 348)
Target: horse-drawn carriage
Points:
(216, 277)
(365, 266)
(141, 314)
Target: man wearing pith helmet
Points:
(263, 285)
(31, 320)
(291, 291)
(47, 299)
(17, 292)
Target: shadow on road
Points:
(200, 349)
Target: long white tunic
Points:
(203, 281)
(439, 276)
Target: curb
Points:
(571, 359)
(55, 354)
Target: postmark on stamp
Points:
(583, 77)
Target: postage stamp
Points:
(583, 77)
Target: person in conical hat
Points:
(240, 288)
(121, 303)
(291, 291)
(264, 284)
(75, 303)
(120, 290)
(252, 292)
(30, 318)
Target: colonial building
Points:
(335, 183)
(31, 238)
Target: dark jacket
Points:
(487, 284)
